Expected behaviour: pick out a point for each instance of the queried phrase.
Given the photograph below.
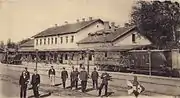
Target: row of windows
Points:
(53, 40)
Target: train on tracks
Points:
(157, 63)
(11, 56)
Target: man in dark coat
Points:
(51, 74)
(35, 81)
(23, 81)
(27, 73)
(94, 77)
(83, 77)
(105, 78)
(64, 76)
(74, 77)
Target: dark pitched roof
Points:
(106, 36)
(29, 43)
(68, 28)
(120, 48)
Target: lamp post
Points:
(149, 55)
(88, 51)
(36, 58)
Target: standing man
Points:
(105, 78)
(35, 81)
(23, 81)
(51, 75)
(83, 77)
(76, 74)
(74, 78)
(27, 73)
(94, 77)
(64, 76)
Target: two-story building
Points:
(59, 43)
(109, 44)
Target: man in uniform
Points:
(83, 77)
(94, 77)
(51, 74)
(105, 78)
(64, 76)
(35, 81)
(74, 80)
(23, 81)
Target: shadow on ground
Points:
(58, 84)
(41, 96)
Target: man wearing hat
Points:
(35, 81)
(27, 73)
(51, 75)
(64, 76)
(23, 81)
(83, 77)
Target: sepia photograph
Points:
(89, 48)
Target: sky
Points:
(20, 19)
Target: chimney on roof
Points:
(113, 27)
(56, 25)
(83, 19)
(112, 23)
(90, 18)
(77, 20)
(66, 22)
(106, 25)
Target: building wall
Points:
(77, 37)
(127, 40)
(92, 45)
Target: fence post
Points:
(149, 53)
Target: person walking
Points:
(83, 77)
(23, 81)
(105, 78)
(35, 81)
(94, 77)
(64, 76)
(51, 74)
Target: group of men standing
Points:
(75, 76)
(83, 76)
(24, 81)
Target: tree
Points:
(2, 45)
(11, 44)
(158, 21)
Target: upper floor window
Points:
(56, 40)
(72, 39)
(40, 41)
(66, 39)
(48, 40)
(52, 40)
(44, 41)
(61, 40)
(133, 38)
(36, 41)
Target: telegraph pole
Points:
(88, 51)
(149, 54)
(36, 58)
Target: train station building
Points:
(70, 43)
